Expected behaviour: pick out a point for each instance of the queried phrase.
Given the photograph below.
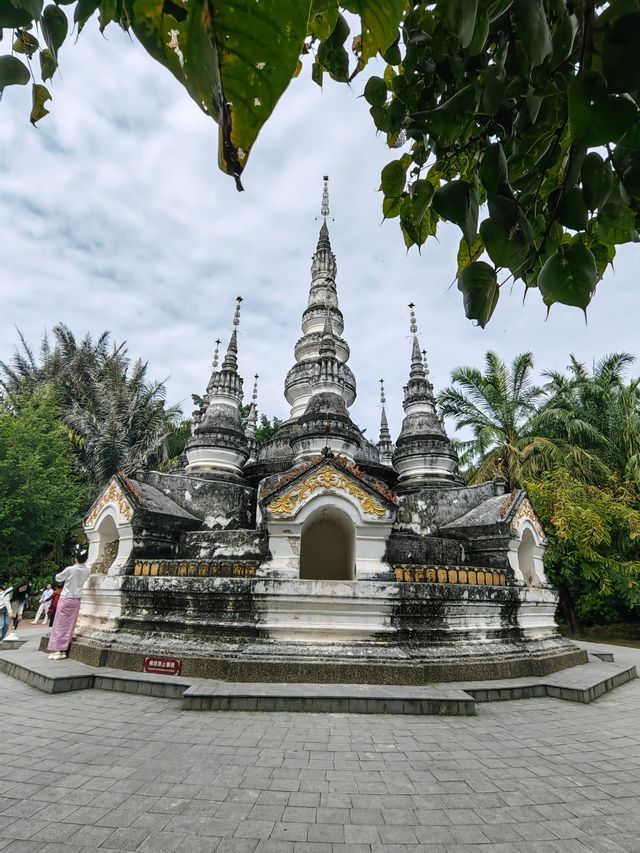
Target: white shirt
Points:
(5, 601)
(46, 595)
(74, 578)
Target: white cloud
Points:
(114, 215)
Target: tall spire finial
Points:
(236, 316)
(254, 395)
(324, 209)
(230, 360)
(382, 397)
(216, 353)
(413, 326)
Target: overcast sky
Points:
(113, 215)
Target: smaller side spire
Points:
(327, 342)
(385, 434)
(252, 422)
(423, 455)
(424, 361)
(385, 445)
(329, 372)
(218, 443)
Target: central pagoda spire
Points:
(323, 299)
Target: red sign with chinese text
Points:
(164, 666)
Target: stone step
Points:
(328, 698)
(605, 656)
(6, 645)
(35, 669)
(583, 683)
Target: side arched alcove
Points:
(526, 552)
(536, 610)
(110, 542)
(110, 536)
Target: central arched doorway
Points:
(327, 546)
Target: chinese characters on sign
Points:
(165, 666)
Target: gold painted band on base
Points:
(193, 569)
(446, 574)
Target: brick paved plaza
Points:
(99, 770)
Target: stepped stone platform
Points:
(583, 683)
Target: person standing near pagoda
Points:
(44, 604)
(74, 578)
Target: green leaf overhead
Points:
(620, 52)
(13, 72)
(478, 284)
(491, 104)
(460, 17)
(457, 202)
(597, 180)
(48, 64)
(54, 28)
(332, 54)
(40, 96)
(532, 30)
(380, 26)
(569, 276)
(235, 59)
(595, 117)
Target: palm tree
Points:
(122, 424)
(598, 410)
(66, 366)
(501, 407)
(116, 416)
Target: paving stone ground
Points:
(97, 770)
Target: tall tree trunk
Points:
(569, 610)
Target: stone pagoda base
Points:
(260, 629)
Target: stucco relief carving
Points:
(112, 495)
(525, 510)
(325, 478)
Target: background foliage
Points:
(41, 496)
(573, 444)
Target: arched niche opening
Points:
(327, 546)
(108, 545)
(526, 553)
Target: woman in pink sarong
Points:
(74, 578)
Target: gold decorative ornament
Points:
(189, 569)
(325, 478)
(526, 511)
(449, 575)
(112, 495)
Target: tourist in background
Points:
(74, 578)
(53, 606)
(6, 614)
(14, 600)
(45, 603)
